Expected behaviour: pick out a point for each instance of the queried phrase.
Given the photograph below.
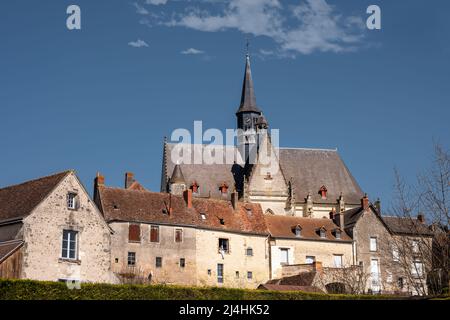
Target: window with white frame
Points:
(310, 259)
(249, 252)
(69, 244)
(131, 259)
(373, 244)
(417, 269)
(395, 254)
(337, 258)
(72, 200)
(415, 246)
(284, 256)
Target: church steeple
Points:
(248, 99)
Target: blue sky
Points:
(102, 98)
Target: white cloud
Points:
(138, 43)
(192, 51)
(310, 26)
(156, 2)
(140, 9)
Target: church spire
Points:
(248, 99)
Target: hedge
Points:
(38, 290)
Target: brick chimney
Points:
(234, 199)
(98, 181)
(365, 202)
(129, 179)
(421, 218)
(187, 195)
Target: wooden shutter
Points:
(134, 233)
(154, 234)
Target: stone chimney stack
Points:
(365, 202)
(187, 195)
(421, 218)
(129, 179)
(234, 199)
(99, 181)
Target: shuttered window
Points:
(178, 235)
(134, 233)
(154, 234)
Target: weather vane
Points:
(248, 46)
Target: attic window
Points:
(222, 222)
(249, 211)
(203, 216)
(322, 232)
(223, 188)
(337, 234)
(194, 187)
(323, 192)
(298, 231)
(116, 207)
(72, 202)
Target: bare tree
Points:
(420, 242)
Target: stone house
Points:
(168, 238)
(51, 230)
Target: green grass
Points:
(38, 290)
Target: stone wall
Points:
(43, 232)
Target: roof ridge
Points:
(37, 179)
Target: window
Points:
(154, 234)
(116, 260)
(400, 283)
(131, 259)
(203, 216)
(249, 275)
(237, 274)
(178, 235)
(182, 262)
(310, 259)
(337, 258)
(298, 231)
(338, 234)
(395, 254)
(415, 246)
(417, 269)
(220, 273)
(322, 233)
(224, 245)
(134, 233)
(389, 277)
(209, 272)
(158, 262)
(373, 244)
(69, 244)
(72, 200)
(284, 256)
(249, 252)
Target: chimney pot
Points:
(129, 179)
(99, 179)
(187, 195)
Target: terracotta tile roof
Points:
(279, 287)
(284, 227)
(8, 248)
(406, 225)
(18, 201)
(145, 206)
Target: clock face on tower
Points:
(247, 120)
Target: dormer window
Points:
(203, 216)
(297, 231)
(222, 221)
(223, 188)
(72, 201)
(323, 192)
(194, 187)
(337, 233)
(249, 211)
(322, 232)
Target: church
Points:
(306, 183)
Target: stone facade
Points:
(42, 233)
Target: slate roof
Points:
(406, 225)
(18, 201)
(310, 169)
(151, 207)
(352, 216)
(284, 226)
(8, 248)
(248, 98)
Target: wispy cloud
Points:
(192, 51)
(156, 2)
(138, 44)
(303, 28)
(140, 9)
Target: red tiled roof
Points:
(149, 207)
(284, 227)
(18, 201)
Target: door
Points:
(375, 275)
